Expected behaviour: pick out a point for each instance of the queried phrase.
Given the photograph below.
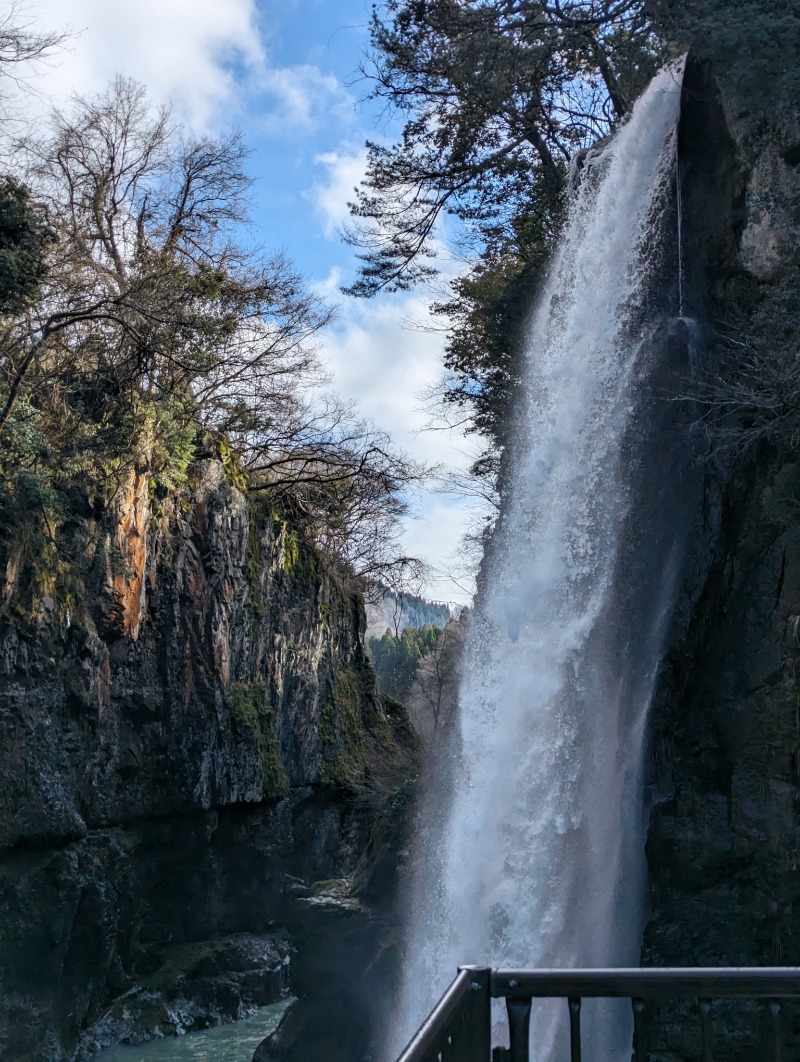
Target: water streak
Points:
(537, 858)
(679, 206)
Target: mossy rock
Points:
(368, 744)
(252, 715)
(343, 731)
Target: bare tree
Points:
(434, 693)
(148, 291)
(154, 320)
(753, 391)
(23, 48)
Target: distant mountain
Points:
(407, 610)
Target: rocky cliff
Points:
(191, 737)
(725, 787)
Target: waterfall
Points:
(537, 856)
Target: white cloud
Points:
(187, 51)
(436, 533)
(345, 170)
(374, 358)
(207, 57)
(301, 97)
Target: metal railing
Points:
(459, 1027)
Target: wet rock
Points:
(724, 837)
(202, 984)
(280, 1045)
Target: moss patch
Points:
(291, 550)
(368, 745)
(247, 702)
(230, 463)
(255, 561)
(342, 729)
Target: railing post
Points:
(519, 1025)
(477, 1044)
(706, 1030)
(774, 1007)
(638, 1029)
(575, 1028)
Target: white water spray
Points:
(538, 857)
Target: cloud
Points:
(436, 532)
(193, 52)
(374, 358)
(300, 98)
(345, 170)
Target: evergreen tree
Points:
(497, 96)
(396, 659)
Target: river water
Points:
(235, 1042)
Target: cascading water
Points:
(538, 857)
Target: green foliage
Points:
(369, 746)
(25, 238)
(291, 550)
(395, 660)
(232, 465)
(255, 720)
(35, 485)
(487, 310)
(496, 98)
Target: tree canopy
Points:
(135, 318)
(396, 658)
(24, 240)
(496, 98)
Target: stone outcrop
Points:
(191, 736)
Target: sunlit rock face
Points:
(191, 736)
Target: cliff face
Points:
(724, 829)
(190, 738)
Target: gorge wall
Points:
(724, 829)
(191, 738)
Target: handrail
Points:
(677, 982)
(459, 1026)
(458, 1029)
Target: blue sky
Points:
(296, 156)
(286, 74)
